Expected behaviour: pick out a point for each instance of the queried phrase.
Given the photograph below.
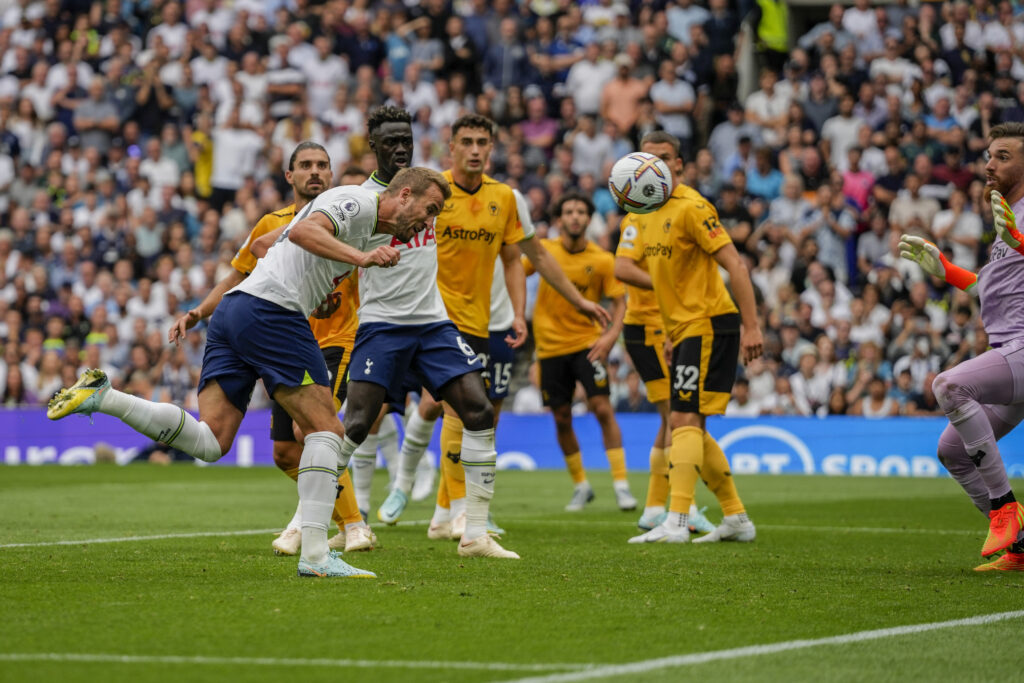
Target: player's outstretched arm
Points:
(315, 234)
(601, 348)
(186, 322)
(549, 269)
(515, 283)
(932, 261)
(627, 270)
(261, 246)
(751, 340)
(1006, 222)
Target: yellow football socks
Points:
(451, 444)
(575, 464)
(718, 477)
(686, 458)
(657, 487)
(617, 461)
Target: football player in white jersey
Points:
(261, 330)
(421, 425)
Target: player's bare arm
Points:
(515, 283)
(603, 346)
(315, 234)
(260, 246)
(549, 269)
(751, 340)
(627, 270)
(205, 309)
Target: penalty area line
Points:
(98, 658)
(675, 661)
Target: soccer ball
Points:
(640, 183)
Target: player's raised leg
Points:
(206, 440)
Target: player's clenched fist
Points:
(1005, 221)
(383, 257)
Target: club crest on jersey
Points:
(493, 208)
(350, 207)
(369, 364)
(667, 226)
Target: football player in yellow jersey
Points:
(643, 334)
(479, 223)
(573, 348)
(309, 174)
(683, 244)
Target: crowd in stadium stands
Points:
(142, 139)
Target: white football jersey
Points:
(299, 280)
(502, 314)
(407, 293)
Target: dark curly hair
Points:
(386, 114)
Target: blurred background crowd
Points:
(141, 140)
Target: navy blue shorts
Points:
(251, 338)
(500, 359)
(387, 355)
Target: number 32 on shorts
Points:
(686, 378)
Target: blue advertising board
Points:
(834, 446)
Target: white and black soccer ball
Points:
(640, 183)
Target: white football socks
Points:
(387, 443)
(363, 463)
(478, 460)
(318, 487)
(296, 522)
(163, 422)
(417, 437)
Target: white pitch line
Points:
(553, 522)
(128, 539)
(766, 649)
(273, 661)
(160, 537)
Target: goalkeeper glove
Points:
(1006, 222)
(932, 261)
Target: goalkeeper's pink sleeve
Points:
(961, 278)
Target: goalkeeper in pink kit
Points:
(984, 397)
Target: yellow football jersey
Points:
(337, 330)
(470, 232)
(677, 242)
(641, 304)
(558, 327)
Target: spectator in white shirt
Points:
(674, 100)
(587, 78)
(960, 228)
(324, 75)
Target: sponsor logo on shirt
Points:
(420, 239)
(457, 232)
(658, 250)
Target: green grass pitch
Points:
(833, 556)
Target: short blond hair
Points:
(419, 179)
